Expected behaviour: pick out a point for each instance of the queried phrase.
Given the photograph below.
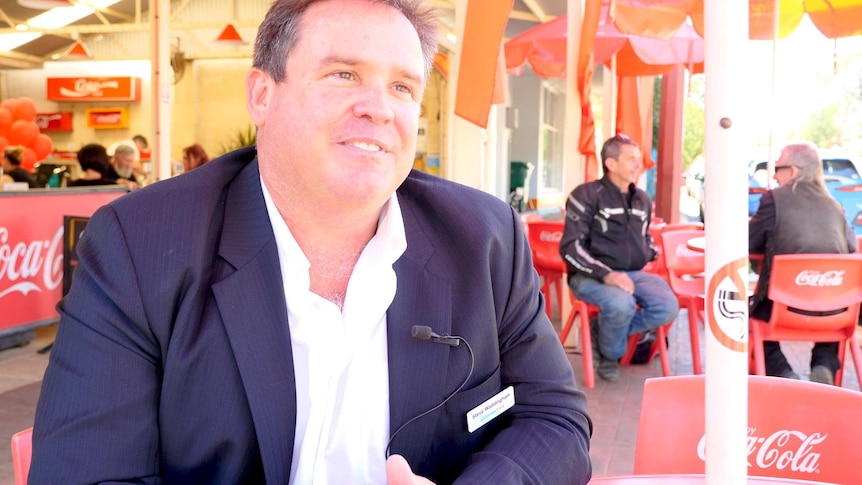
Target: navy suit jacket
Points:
(173, 360)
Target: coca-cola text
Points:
(782, 449)
(811, 277)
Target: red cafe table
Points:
(689, 480)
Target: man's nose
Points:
(375, 103)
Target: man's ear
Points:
(258, 86)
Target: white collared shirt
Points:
(340, 358)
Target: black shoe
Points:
(822, 374)
(609, 370)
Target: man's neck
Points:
(619, 182)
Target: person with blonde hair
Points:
(12, 171)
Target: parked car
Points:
(842, 180)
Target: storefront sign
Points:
(31, 251)
(107, 118)
(54, 121)
(94, 89)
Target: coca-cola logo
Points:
(550, 236)
(781, 450)
(30, 266)
(88, 87)
(108, 119)
(811, 277)
(44, 121)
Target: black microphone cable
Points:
(423, 332)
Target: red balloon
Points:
(6, 120)
(9, 103)
(25, 109)
(23, 133)
(30, 159)
(43, 146)
(3, 143)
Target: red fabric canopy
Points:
(662, 18)
(544, 46)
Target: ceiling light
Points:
(11, 41)
(44, 4)
(230, 36)
(63, 16)
(21, 27)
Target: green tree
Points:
(693, 121)
(824, 128)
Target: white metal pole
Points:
(163, 77)
(726, 36)
(573, 162)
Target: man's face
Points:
(340, 130)
(123, 164)
(784, 172)
(626, 168)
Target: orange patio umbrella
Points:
(544, 47)
(662, 18)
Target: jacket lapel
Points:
(417, 369)
(251, 302)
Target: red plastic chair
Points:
(797, 429)
(656, 230)
(22, 450)
(812, 283)
(657, 266)
(585, 311)
(544, 238)
(685, 275)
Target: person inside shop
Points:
(122, 166)
(193, 157)
(95, 166)
(606, 243)
(12, 171)
(278, 315)
(798, 217)
(141, 143)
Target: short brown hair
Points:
(613, 146)
(279, 32)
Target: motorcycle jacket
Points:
(606, 229)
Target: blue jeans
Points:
(621, 314)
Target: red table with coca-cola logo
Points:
(31, 253)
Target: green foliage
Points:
(823, 129)
(693, 122)
(245, 137)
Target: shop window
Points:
(551, 132)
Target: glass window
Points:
(551, 138)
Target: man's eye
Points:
(404, 88)
(344, 75)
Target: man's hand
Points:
(621, 280)
(398, 472)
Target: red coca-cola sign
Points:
(54, 121)
(31, 251)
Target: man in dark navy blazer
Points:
(183, 353)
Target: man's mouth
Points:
(368, 147)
